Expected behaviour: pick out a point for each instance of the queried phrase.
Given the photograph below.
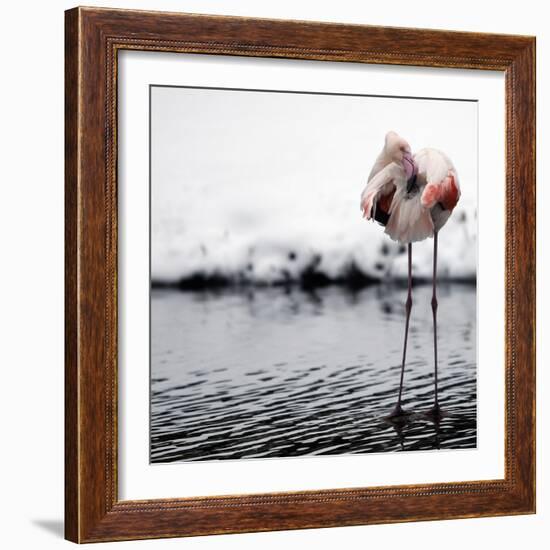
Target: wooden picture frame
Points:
(93, 511)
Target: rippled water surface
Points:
(275, 372)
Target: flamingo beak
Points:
(411, 183)
(411, 171)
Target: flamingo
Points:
(412, 196)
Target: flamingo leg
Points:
(435, 409)
(398, 410)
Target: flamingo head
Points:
(399, 151)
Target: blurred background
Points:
(264, 187)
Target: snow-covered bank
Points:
(219, 243)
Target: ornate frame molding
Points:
(93, 38)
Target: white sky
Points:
(273, 137)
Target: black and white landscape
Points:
(276, 311)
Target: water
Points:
(275, 372)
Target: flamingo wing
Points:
(376, 198)
(441, 179)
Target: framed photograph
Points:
(300, 275)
